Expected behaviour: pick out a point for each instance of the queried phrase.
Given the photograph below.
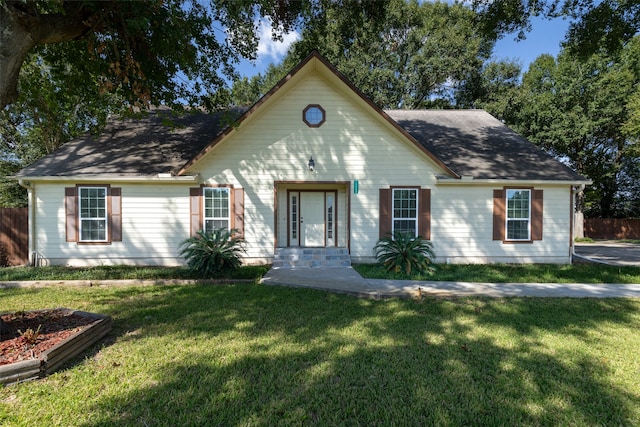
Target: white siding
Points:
(155, 220)
(462, 227)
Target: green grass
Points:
(535, 273)
(253, 355)
(590, 240)
(513, 273)
(584, 240)
(119, 272)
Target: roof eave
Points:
(466, 180)
(164, 178)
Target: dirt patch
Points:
(33, 332)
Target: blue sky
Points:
(545, 37)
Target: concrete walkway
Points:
(347, 280)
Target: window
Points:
(313, 115)
(93, 214)
(216, 209)
(329, 216)
(518, 214)
(389, 217)
(405, 210)
(294, 217)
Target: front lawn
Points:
(529, 273)
(122, 272)
(254, 355)
(513, 273)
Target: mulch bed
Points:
(33, 332)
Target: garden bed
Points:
(44, 340)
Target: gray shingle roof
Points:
(473, 142)
(146, 146)
(469, 142)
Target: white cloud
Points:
(270, 50)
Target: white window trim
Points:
(393, 210)
(507, 219)
(215, 218)
(106, 214)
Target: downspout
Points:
(576, 189)
(32, 219)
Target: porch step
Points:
(311, 257)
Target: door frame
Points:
(303, 186)
(300, 213)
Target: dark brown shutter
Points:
(536, 215)
(386, 204)
(238, 210)
(424, 214)
(116, 215)
(71, 213)
(498, 215)
(194, 207)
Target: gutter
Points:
(31, 219)
(470, 180)
(161, 177)
(575, 190)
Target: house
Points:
(315, 164)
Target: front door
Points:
(312, 218)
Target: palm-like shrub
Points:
(214, 252)
(403, 252)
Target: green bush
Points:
(212, 253)
(403, 252)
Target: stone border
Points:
(52, 359)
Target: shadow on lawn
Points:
(309, 357)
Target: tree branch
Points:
(23, 27)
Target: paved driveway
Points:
(612, 253)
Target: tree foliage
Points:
(580, 111)
(416, 57)
(147, 51)
(595, 24)
(56, 103)
(246, 91)
(492, 87)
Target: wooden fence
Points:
(14, 236)
(612, 228)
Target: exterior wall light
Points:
(312, 164)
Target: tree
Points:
(148, 51)
(416, 57)
(246, 91)
(56, 103)
(577, 111)
(494, 87)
